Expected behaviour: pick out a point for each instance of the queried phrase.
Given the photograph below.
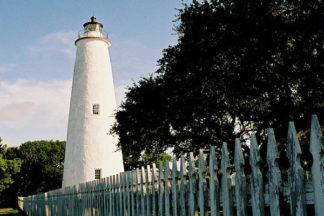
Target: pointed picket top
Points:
(295, 174)
(273, 173)
(257, 198)
(154, 173)
(240, 180)
(226, 182)
(201, 170)
(213, 183)
(316, 149)
(238, 157)
(192, 185)
(182, 194)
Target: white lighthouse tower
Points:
(90, 149)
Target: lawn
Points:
(10, 212)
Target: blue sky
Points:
(37, 56)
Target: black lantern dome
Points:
(93, 25)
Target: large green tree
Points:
(42, 166)
(41, 169)
(8, 167)
(238, 66)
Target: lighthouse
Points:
(91, 151)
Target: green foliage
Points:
(41, 169)
(42, 166)
(239, 66)
(7, 168)
(11, 212)
(148, 159)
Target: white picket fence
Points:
(197, 190)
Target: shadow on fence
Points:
(197, 190)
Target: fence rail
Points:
(197, 190)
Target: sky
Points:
(37, 56)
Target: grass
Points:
(10, 212)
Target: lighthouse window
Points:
(97, 173)
(95, 109)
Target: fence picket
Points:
(115, 194)
(125, 193)
(114, 204)
(106, 212)
(86, 203)
(183, 183)
(153, 176)
(142, 191)
(174, 187)
(133, 191)
(274, 174)
(192, 185)
(257, 198)
(226, 183)
(100, 194)
(166, 188)
(316, 149)
(201, 171)
(148, 201)
(111, 195)
(158, 192)
(161, 189)
(240, 180)
(119, 194)
(129, 191)
(90, 199)
(295, 174)
(213, 183)
(137, 192)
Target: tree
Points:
(7, 168)
(239, 66)
(41, 169)
(147, 159)
(42, 166)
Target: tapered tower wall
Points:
(89, 144)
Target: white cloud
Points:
(32, 110)
(16, 111)
(62, 42)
